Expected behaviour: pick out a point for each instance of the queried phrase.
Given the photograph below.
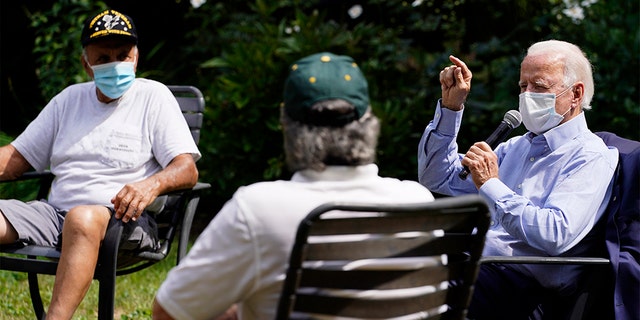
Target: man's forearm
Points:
(12, 163)
(181, 173)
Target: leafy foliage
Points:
(243, 143)
(56, 43)
(238, 53)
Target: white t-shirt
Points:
(242, 255)
(94, 149)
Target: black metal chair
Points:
(176, 218)
(386, 261)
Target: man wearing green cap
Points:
(114, 144)
(330, 138)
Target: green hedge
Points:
(237, 53)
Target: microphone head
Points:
(513, 118)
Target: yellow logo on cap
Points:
(108, 20)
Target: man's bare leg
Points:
(7, 233)
(83, 230)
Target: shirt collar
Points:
(337, 173)
(565, 132)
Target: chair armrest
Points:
(201, 186)
(32, 175)
(32, 250)
(44, 178)
(198, 187)
(543, 260)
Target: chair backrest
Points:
(386, 261)
(626, 194)
(191, 103)
(623, 227)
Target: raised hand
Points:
(455, 82)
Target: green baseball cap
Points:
(324, 76)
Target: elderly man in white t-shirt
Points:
(114, 145)
(330, 138)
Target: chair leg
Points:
(578, 309)
(36, 299)
(106, 297)
(106, 270)
(187, 221)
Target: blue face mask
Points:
(114, 78)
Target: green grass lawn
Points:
(134, 293)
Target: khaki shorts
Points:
(37, 222)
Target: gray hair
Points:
(315, 147)
(576, 65)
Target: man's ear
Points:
(86, 66)
(135, 65)
(578, 94)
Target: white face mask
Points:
(538, 111)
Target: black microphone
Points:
(512, 119)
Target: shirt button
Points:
(519, 186)
(493, 223)
(532, 159)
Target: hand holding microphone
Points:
(512, 119)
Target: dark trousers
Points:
(503, 293)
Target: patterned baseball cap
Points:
(324, 76)
(109, 23)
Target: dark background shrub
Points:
(238, 52)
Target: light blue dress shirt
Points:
(552, 188)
